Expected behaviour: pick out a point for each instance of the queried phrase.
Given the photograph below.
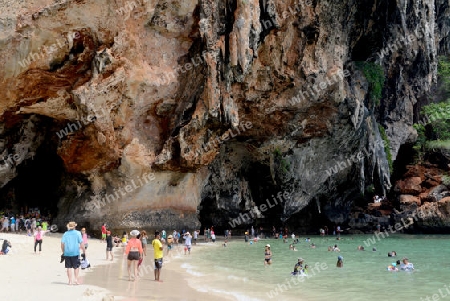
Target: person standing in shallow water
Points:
(158, 256)
(340, 262)
(267, 255)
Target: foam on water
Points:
(190, 270)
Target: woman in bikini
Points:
(267, 255)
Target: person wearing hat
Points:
(340, 262)
(298, 267)
(267, 255)
(187, 242)
(71, 243)
(134, 252)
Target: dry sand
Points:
(26, 276)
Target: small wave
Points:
(237, 278)
(237, 295)
(190, 270)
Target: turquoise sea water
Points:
(238, 270)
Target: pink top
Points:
(85, 238)
(39, 235)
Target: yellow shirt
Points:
(156, 245)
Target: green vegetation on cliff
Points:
(375, 76)
(444, 73)
(434, 127)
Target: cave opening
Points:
(37, 183)
(405, 156)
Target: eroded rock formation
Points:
(224, 103)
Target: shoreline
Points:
(175, 280)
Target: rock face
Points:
(171, 114)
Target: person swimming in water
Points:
(267, 255)
(393, 267)
(298, 267)
(406, 265)
(361, 248)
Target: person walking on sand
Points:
(158, 255)
(134, 253)
(38, 236)
(84, 236)
(143, 238)
(109, 245)
(5, 224)
(71, 243)
(104, 232)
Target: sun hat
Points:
(300, 259)
(134, 233)
(170, 236)
(71, 225)
(268, 245)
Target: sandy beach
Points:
(32, 277)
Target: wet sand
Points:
(175, 284)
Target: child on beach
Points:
(104, 232)
(124, 239)
(38, 236)
(5, 247)
(84, 263)
(84, 236)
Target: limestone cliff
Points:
(170, 114)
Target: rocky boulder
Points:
(409, 186)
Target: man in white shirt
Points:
(196, 232)
(187, 242)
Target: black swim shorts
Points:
(134, 255)
(72, 262)
(158, 263)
